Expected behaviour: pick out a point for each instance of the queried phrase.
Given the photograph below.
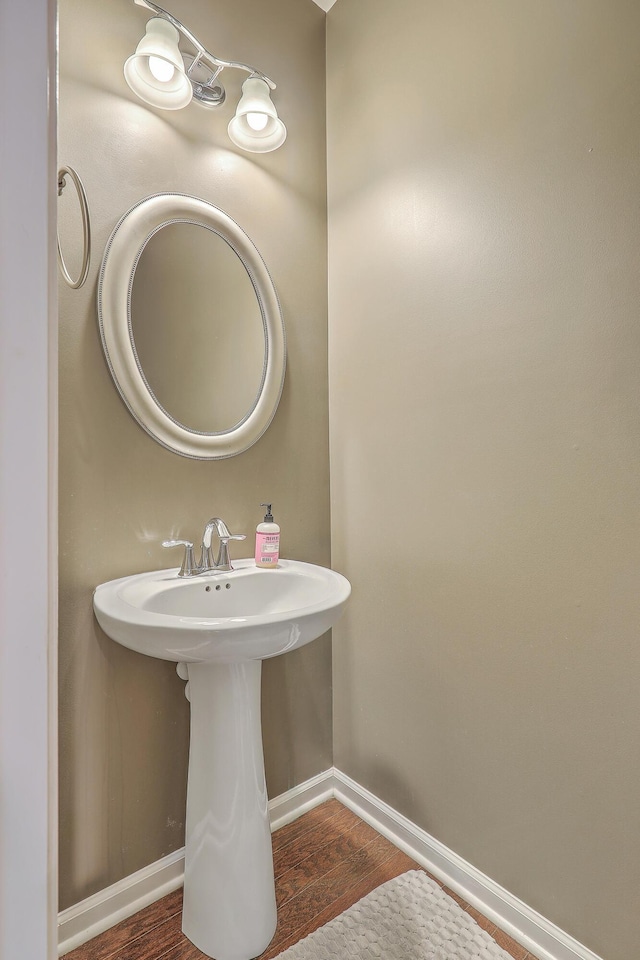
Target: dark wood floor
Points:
(324, 862)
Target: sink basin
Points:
(246, 614)
(219, 627)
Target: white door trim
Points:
(28, 507)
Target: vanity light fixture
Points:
(161, 75)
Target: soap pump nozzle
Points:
(268, 517)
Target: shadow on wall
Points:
(296, 698)
(124, 744)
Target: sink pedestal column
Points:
(229, 907)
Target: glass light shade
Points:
(160, 43)
(256, 99)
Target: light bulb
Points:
(161, 69)
(257, 121)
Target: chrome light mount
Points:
(206, 90)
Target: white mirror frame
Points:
(117, 273)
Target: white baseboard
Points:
(529, 928)
(104, 909)
(292, 804)
(543, 938)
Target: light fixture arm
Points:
(203, 53)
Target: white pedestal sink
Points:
(222, 625)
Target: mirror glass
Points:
(197, 328)
(191, 326)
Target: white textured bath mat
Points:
(408, 918)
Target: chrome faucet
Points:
(207, 564)
(222, 562)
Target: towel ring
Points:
(86, 228)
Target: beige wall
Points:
(124, 719)
(485, 433)
(485, 436)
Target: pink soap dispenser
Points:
(267, 541)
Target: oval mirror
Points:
(191, 327)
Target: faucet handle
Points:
(222, 561)
(188, 568)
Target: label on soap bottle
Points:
(267, 549)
